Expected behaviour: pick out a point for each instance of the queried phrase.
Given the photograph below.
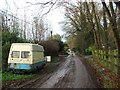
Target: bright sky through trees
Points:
(21, 7)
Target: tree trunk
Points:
(115, 29)
(90, 19)
(97, 25)
(105, 28)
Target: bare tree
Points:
(39, 29)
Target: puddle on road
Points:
(58, 75)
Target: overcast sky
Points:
(19, 7)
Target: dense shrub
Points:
(51, 47)
(7, 39)
(88, 51)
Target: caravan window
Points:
(15, 54)
(25, 54)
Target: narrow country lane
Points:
(70, 74)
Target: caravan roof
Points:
(32, 47)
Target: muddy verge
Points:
(90, 70)
(40, 75)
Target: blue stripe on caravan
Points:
(20, 66)
(27, 66)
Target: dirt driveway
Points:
(69, 74)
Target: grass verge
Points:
(9, 76)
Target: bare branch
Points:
(50, 8)
(38, 3)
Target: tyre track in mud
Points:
(68, 80)
(32, 83)
(58, 75)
